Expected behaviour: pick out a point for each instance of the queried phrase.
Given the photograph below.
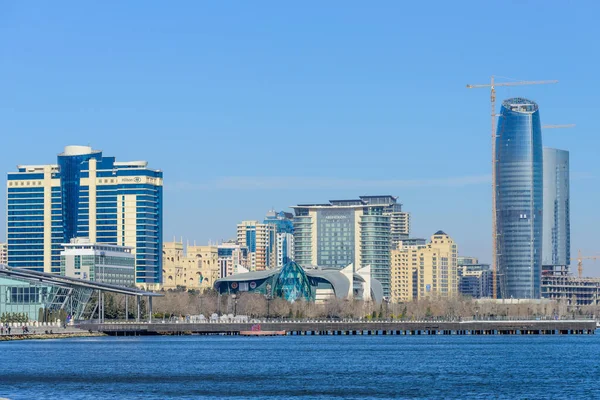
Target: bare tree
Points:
(279, 308)
(252, 304)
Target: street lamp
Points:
(268, 306)
(219, 304)
(268, 296)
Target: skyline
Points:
(281, 115)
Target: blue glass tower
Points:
(556, 255)
(85, 195)
(519, 180)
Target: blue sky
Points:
(252, 105)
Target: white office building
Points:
(98, 262)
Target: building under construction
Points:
(576, 291)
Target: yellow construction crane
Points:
(492, 85)
(580, 259)
(558, 126)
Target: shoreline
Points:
(44, 336)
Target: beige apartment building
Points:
(401, 279)
(422, 271)
(196, 267)
(3, 253)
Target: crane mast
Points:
(580, 259)
(492, 85)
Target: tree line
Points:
(181, 303)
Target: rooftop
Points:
(377, 200)
(74, 150)
(520, 105)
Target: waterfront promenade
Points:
(328, 327)
(46, 332)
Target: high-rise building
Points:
(284, 230)
(85, 195)
(421, 271)
(105, 263)
(399, 220)
(466, 260)
(556, 237)
(474, 279)
(194, 267)
(344, 232)
(231, 255)
(403, 274)
(572, 290)
(3, 253)
(260, 239)
(412, 242)
(519, 187)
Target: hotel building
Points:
(88, 195)
(344, 232)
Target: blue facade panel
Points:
(70, 211)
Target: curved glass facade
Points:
(292, 283)
(519, 186)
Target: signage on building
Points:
(234, 285)
(252, 285)
(140, 179)
(133, 179)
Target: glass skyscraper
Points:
(519, 186)
(85, 195)
(556, 239)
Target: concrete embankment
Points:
(322, 327)
(41, 336)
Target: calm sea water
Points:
(303, 367)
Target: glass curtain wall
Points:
(519, 186)
(557, 235)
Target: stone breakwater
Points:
(41, 336)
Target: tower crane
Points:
(492, 85)
(580, 259)
(558, 126)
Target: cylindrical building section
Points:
(519, 188)
(556, 239)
